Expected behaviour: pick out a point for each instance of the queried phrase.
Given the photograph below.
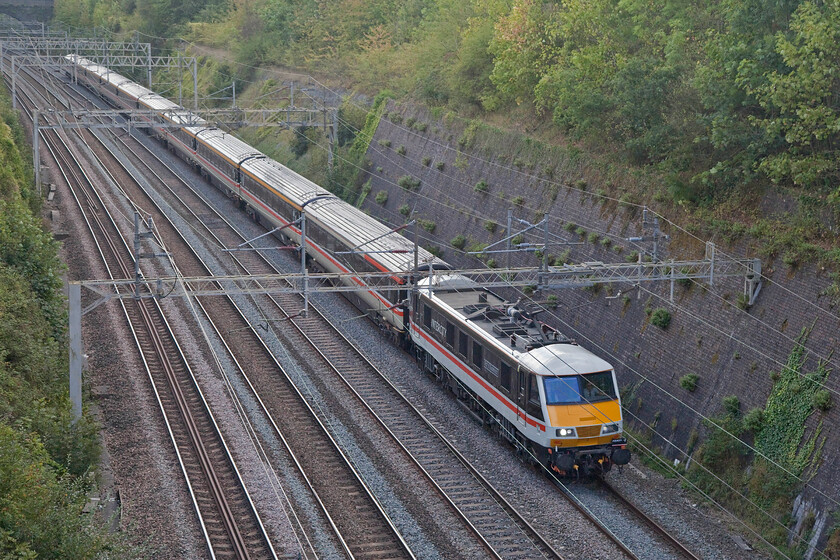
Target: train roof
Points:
(511, 328)
(348, 223)
(226, 144)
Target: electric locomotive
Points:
(545, 394)
(553, 399)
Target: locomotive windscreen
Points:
(575, 389)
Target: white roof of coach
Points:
(346, 221)
(227, 144)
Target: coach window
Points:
(534, 408)
(463, 344)
(450, 334)
(427, 316)
(505, 377)
(477, 355)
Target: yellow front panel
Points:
(570, 415)
(603, 440)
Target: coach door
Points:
(521, 388)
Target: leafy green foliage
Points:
(754, 419)
(45, 458)
(789, 405)
(381, 197)
(779, 430)
(821, 400)
(409, 183)
(660, 317)
(481, 187)
(345, 177)
(428, 225)
(405, 210)
(689, 382)
(459, 241)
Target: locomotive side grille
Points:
(589, 431)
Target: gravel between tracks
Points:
(530, 492)
(156, 509)
(147, 475)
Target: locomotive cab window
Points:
(427, 316)
(534, 407)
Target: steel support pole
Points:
(303, 270)
(508, 233)
(75, 297)
(36, 151)
(332, 132)
(149, 67)
(195, 84)
(14, 85)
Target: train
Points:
(555, 401)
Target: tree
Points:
(802, 102)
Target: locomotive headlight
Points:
(610, 428)
(565, 432)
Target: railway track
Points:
(470, 502)
(663, 533)
(363, 528)
(231, 526)
(504, 532)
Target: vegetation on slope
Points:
(46, 461)
(715, 104)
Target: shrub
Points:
(593, 237)
(606, 242)
(410, 121)
(395, 118)
(405, 210)
(385, 143)
(490, 226)
(518, 200)
(570, 226)
(402, 150)
(732, 405)
(435, 250)
(632, 256)
(552, 300)
(381, 197)
(459, 241)
(420, 126)
(754, 419)
(379, 169)
(661, 317)
(427, 161)
(821, 400)
(689, 382)
(580, 231)
(408, 183)
(492, 263)
(517, 240)
(440, 165)
(481, 186)
(528, 290)
(428, 225)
